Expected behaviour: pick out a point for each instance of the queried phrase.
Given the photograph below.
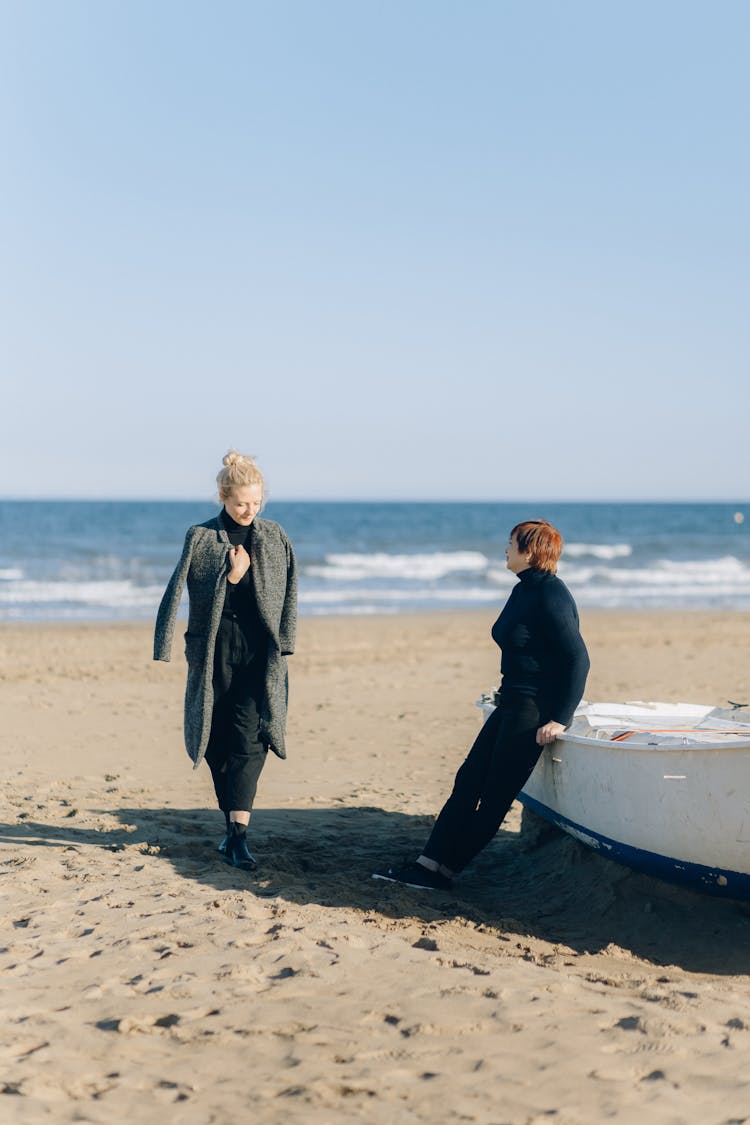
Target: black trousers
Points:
(235, 753)
(495, 770)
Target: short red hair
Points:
(541, 542)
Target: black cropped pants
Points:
(494, 772)
(236, 753)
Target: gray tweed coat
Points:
(204, 566)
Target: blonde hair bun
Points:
(239, 470)
(233, 457)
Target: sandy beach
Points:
(143, 978)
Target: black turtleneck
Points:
(239, 598)
(237, 532)
(543, 652)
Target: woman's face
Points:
(244, 502)
(514, 559)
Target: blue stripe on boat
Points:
(711, 880)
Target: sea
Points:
(110, 561)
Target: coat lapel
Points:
(218, 525)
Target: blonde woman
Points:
(241, 579)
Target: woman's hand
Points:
(548, 733)
(239, 564)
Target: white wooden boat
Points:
(661, 787)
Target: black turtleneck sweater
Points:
(239, 600)
(543, 652)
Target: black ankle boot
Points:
(225, 838)
(237, 853)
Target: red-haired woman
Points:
(544, 667)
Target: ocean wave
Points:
(117, 595)
(719, 574)
(597, 550)
(365, 609)
(500, 578)
(387, 595)
(418, 568)
(359, 583)
(650, 597)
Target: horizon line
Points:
(41, 499)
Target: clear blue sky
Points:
(396, 248)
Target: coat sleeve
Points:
(288, 623)
(167, 613)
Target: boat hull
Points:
(718, 881)
(677, 813)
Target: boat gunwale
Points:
(739, 741)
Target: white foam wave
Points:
(364, 610)
(597, 550)
(473, 594)
(118, 595)
(394, 583)
(420, 568)
(686, 596)
(713, 582)
(501, 576)
(665, 574)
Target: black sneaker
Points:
(415, 875)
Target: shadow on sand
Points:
(539, 883)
